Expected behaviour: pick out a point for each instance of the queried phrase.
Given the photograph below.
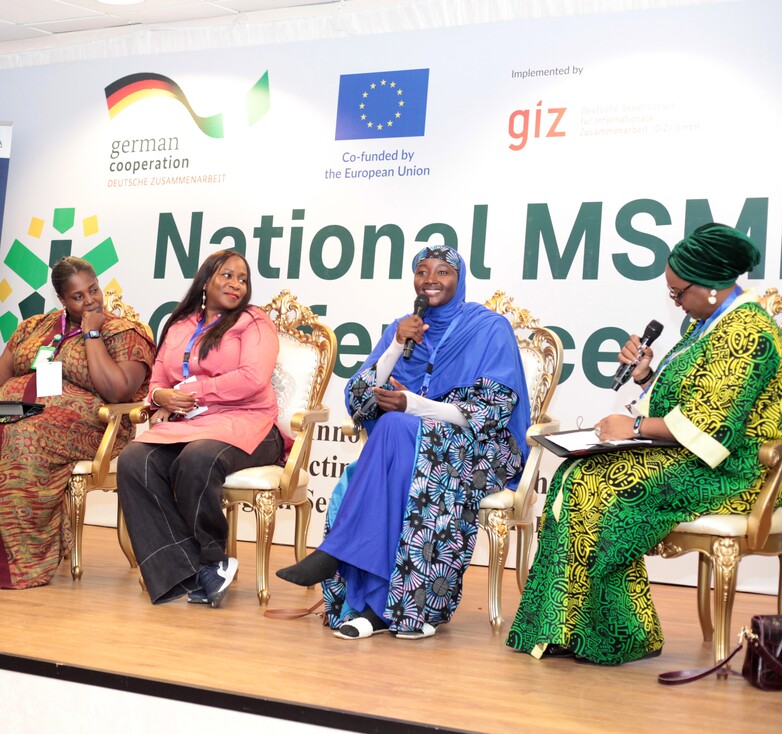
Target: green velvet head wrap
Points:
(714, 256)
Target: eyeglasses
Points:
(677, 293)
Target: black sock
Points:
(378, 623)
(316, 567)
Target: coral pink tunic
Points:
(233, 382)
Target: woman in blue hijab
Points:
(446, 427)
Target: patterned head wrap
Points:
(444, 253)
(714, 256)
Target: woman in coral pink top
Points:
(216, 413)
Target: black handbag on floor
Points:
(762, 663)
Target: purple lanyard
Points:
(59, 339)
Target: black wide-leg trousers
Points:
(171, 497)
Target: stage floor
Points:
(103, 631)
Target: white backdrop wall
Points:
(562, 156)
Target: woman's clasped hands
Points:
(172, 403)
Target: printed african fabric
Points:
(588, 589)
(406, 530)
(37, 454)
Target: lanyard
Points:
(696, 333)
(430, 365)
(200, 329)
(60, 338)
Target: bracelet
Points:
(645, 379)
(152, 398)
(637, 426)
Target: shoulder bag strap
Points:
(676, 677)
(294, 613)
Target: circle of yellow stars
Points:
(365, 96)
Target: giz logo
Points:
(519, 124)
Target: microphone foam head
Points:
(653, 330)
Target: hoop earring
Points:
(712, 299)
(203, 299)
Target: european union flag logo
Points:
(384, 104)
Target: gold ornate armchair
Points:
(304, 367)
(100, 471)
(723, 540)
(541, 354)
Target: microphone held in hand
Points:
(420, 305)
(652, 331)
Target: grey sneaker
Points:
(216, 578)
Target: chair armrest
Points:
(111, 414)
(524, 496)
(303, 424)
(759, 521)
(546, 424)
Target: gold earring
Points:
(712, 299)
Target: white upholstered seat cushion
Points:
(502, 500)
(85, 467)
(261, 477)
(731, 526)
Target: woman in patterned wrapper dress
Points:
(104, 358)
(717, 393)
(446, 426)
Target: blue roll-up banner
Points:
(5, 156)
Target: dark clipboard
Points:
(14, 410)
(548, 441)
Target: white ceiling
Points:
(22, 20)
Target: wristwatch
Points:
(637, 426)
(92, 334)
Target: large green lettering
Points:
(658, 247)
(567, 343)
(363, 347)
(236, 235)
(586, 227)
(265, 234)
(347, 251)
(593, 355)
(167, 232)
(753, 221)
(396, 237)
(446, 230)
(294, 251)
(480, 216)
(163, 310)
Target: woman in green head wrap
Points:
(718, 393)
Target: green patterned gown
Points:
(720, 397)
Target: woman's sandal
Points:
(362, 626)
(426, 631)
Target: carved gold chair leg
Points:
(779, 588)
(704, 597)
(303, 514)
(523, 544)
(124, 538)
(75, 500)
(231, 514)
(265, 506)
(497, 532)
(725, 555)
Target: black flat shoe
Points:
(557, 651)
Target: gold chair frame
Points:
(513, 509)
(265, 489)
(509, 509)
(100, 472)
(721, 541)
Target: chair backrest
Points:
(308, 351)
(112, 301)
(771, 300)
(541, 352)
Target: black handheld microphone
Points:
(420, 305)
(652, 331)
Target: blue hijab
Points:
(481, 343)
